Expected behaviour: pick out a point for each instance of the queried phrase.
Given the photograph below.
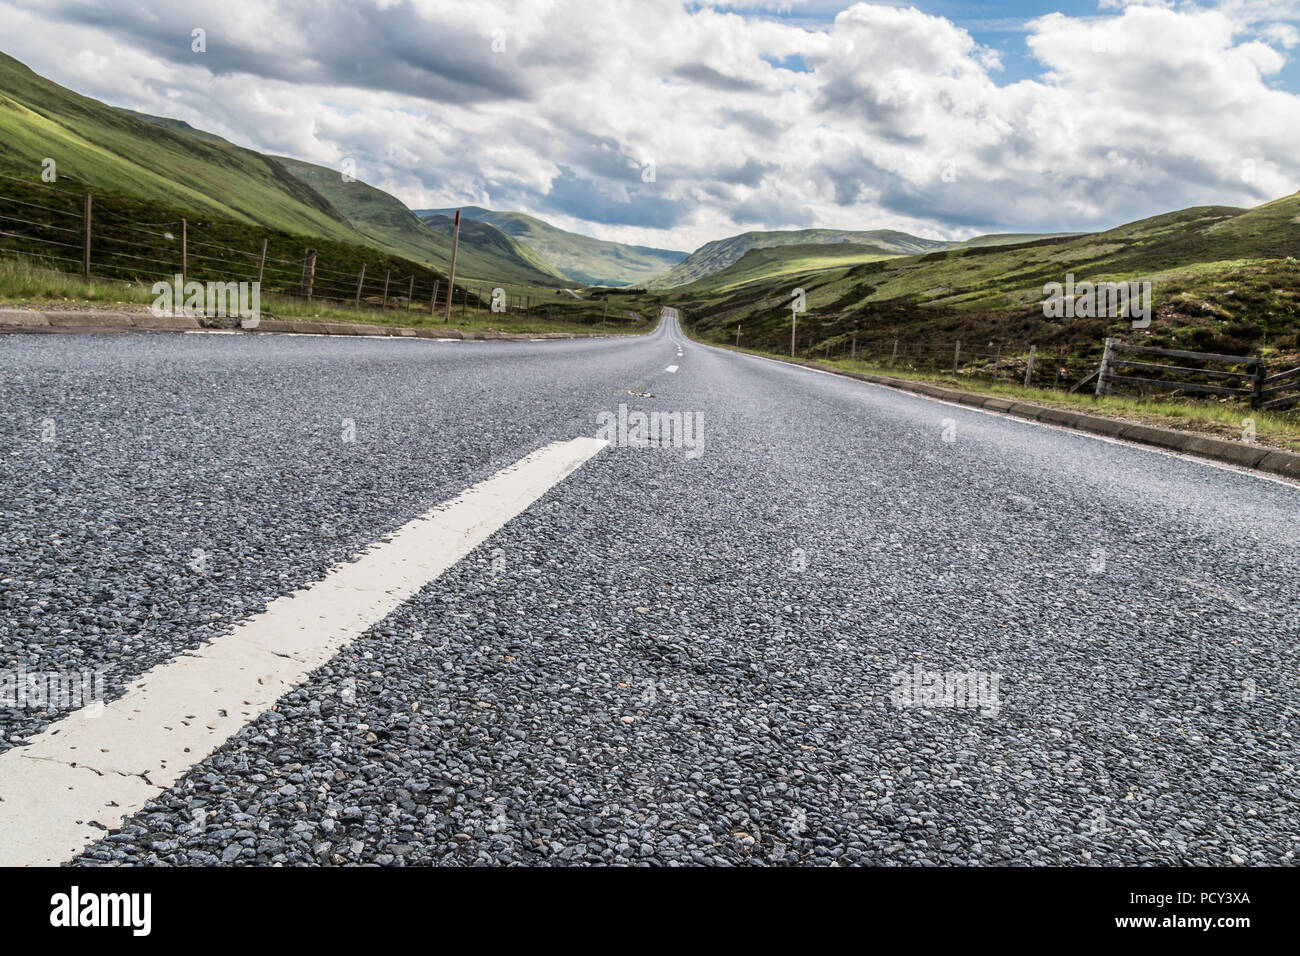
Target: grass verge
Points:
(25, 285)
(1219, 419)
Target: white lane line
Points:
(671, 368)
(84, 775)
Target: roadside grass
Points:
(1220, 419)
(24, 284)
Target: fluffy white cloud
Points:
(884, 117)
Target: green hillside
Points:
(485, 253)
(1223, 279)
(1009, 239)
(166, 161)
(762, 264)
(717, 255)
(110, 149)
(584, 260)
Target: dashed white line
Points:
(84, 774)
(671, 368)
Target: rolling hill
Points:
(125, 153)
(485, 252)
(169, 162)
(584, 260)
(717, 255)
(773, 262)
(1223, 279)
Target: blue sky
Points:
(999, 26)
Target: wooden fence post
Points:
(1257, 386)
(85, 241)
(410, 292)
(451, 273)
(185, 254)
(261, 265)
(308, 273)
(1029, 367)
(1104, 373)
(433, 299)
(387, 275)
(956, 357)
(361, 280)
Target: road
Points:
(719, 652)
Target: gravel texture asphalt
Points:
(670, 658)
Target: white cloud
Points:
(1137, 111)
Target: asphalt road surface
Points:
(832, 623)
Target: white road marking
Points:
(84, 775)
(671, 368)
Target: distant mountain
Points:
(485, 252)
(1009, 239)
(717, 255)
(584, 260)
(773, 262)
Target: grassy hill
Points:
(769, 263)
(485, 253)
(1223, 279)
(717, 255)
(189, 171)
(120, 152)
(1009, 239)
(584, 260)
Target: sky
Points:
(670, 124)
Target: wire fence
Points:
(77, 233)
(995, 362)
(1100, 370)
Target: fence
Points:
(996, 362)
(1243, 376)
(73, 233)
